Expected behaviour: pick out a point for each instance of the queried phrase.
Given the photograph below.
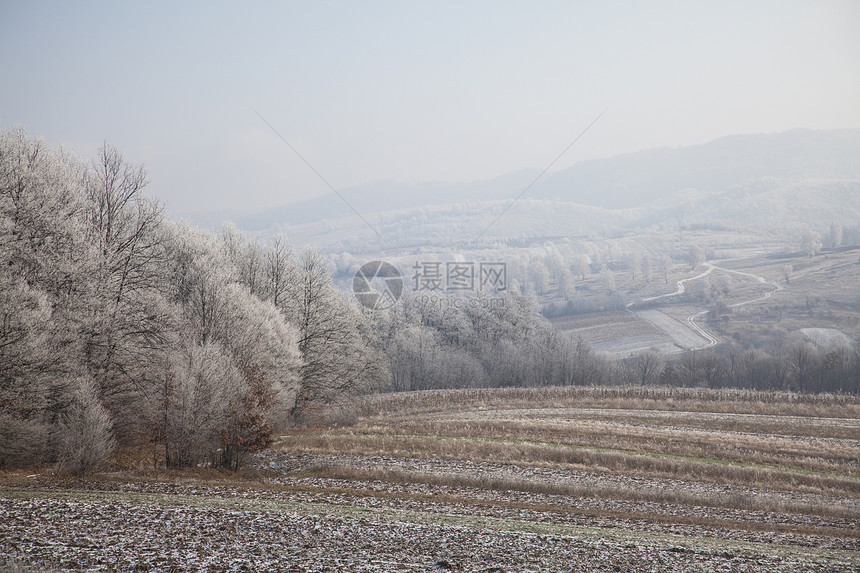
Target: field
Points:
(820, 292)
(763, 297)
(551, 479)
(618, 334)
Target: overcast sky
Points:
(411, 91)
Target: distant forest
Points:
(121, 330)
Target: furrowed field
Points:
(547, 479)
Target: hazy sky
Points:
(411, 91)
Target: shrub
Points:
(84, 432)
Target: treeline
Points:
(483, 342)
(506, 342)
(795, 365)
(119, 328)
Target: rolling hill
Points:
(784, 183)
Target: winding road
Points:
(710, 338)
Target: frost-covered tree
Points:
(835, 234)
(192, 403)
(247, 257)
(634, 263)
(265, 349)
(84, 432)
(127, 322)
(280, 272)
(810, 243)
(696, 256)
(198, 275)
(338, 359)
(581, 265)
(28, 373)
(647, 269)
(43, 257)
(335, 341)
(41, 215)
(608, 280)
(566, 284)
(184, 338)
(234, 376)
(555, 265)
(666, 266)
(538, 275)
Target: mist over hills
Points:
(786, 181)
(657, 175)
(390, 196)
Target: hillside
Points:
(658, 176)
(784, 182)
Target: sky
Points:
(411, 91)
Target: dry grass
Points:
(789, 441)
(716, 499)
(741, 450)
(732, 401)
(580, 458)
(809, 453)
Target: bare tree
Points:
(779, 369)
(648, 366)
(802, 356)
(713, 369)
(689, 370)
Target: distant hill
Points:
(656, 176)
(388, 196)
(784, 181)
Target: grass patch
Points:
(526, 454)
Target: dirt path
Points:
(680, 290)
(699, 331)
(777, 287)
